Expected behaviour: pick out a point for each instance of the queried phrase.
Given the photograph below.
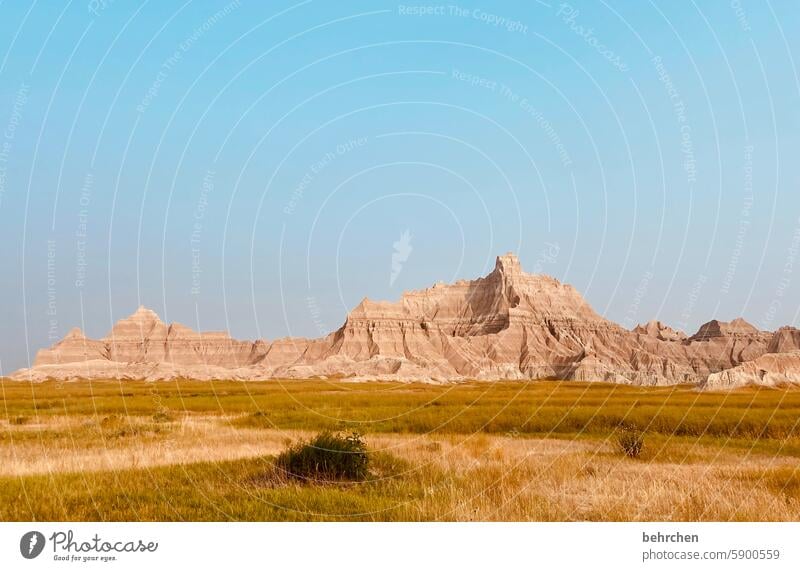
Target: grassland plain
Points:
(543, 450)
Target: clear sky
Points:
(262, 166)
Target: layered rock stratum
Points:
(506, 325)
(770, 370)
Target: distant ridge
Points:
(506, 325)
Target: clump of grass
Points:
(121, 427)
(162, 416)
(111, 421)
(19, 420)
(630, 441)
(328, 457)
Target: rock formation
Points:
(75, 347)
(769, 370)
(506, 325)
(659, 331)
(144, 338)
(784, 340)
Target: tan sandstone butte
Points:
(506, 325)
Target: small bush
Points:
(328, 457)
(631, 441)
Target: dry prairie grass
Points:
(497, 478)
(437, 453)
(134, 443)
(204, 469)
(535, 407)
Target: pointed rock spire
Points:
(508, 264)
(75, 333)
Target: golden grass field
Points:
(543, 451)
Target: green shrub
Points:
(328, 457)
(630, 441)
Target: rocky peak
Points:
(739, 324)
(143, 314)
(75, 333)
(658, 330)
(369, 309)
(715, 329)
(508, 264)
(784, 340)
(144, 324)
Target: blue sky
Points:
(254, 166)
